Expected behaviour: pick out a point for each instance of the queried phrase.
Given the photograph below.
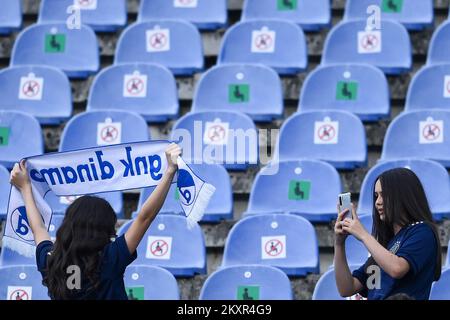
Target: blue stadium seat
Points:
(252, 282)
(5, 188)
(241, 87)
(100, 15)
(43, 92)
(308, 188)
(447, 262)
(311, 15)
(326, 286)
(355, 250)
(218, 137)
(429, 88)
(440, 289)
(10, 16)
(150, 283)
(413, 14)
(168, 243)
(280, 240)
(90, 129)
(21, 283)
(11, 258)
(337, 137)
(276, 43)
(358, 88)
(73, 51)
(419, 134)
(20, 137)
(439, 45)
(434, 178)
(349, 42)
(221, 205)
(175, 44)
(205, 14)
(147, 89)
(59, 204)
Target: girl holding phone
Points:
(404, 247)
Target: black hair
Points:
(88, 226)
(404, 203)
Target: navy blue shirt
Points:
(417, 244)
(115, 259)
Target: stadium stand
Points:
(439, 290)
(73, 51)
(169, 243)
(304, 187)
(279, 240)
(439, 45)
(219, 208)
(433, 176)
(429, 89)
(5, 188)
(418, 134)
(148, 89)
(10, 16)
(21, 283)
(41, 91)
(205, 14)
(20, 137)
(243, 88)
(337, 137)
(311, 15)
(388, 48)
(150, 283)
(326, 286)
(276, 43)
(100, 15)
(358, 88)
(414, 15)
(252, 282)
(175, 44)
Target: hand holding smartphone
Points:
(345, 202)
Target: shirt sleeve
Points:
(362, 276)
(118, 256)
(418, 247)
(42, 251)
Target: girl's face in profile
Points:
(379, 199)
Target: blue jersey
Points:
(115, 258)
(417, 244)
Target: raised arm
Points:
(19, 178)
(153, 204)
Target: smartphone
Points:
(345, 202)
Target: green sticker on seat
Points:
(177, 194)
(346, 90)
(248, 293)
(238, 93)
(299, 189)
(4, 136)
(135, 293)
(284, 5)
(392, 6)
(55, 43)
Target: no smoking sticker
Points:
(369, 42)
(109, 132)
(273, 247)
(158, 40)
(31, 88)
(158, 248)
(185, 3)
(326, 132)
(447, 87)
(135, 85)
(86, 4)
(216, 133)
(263, 41)
(431, 131)
(19, 293)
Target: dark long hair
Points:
(88, 226)
(404, 202)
